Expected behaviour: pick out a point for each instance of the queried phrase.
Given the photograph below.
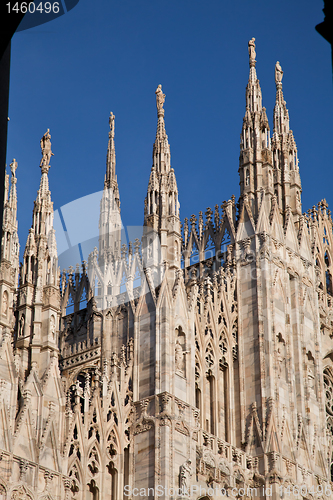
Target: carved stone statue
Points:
(13, 167)
(185, 474)
(52, 326)
(160, 98)
(111, 123)
(4, 303)
(278, 73)
(311, 379)
(45, 144)
(252, 49)
(280, 360)
(179, 357)
(21, 326)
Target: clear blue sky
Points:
(105, 56)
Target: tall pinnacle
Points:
(161, 203)
(281, 115)
(285, 153)
(10, 242)
(43, 206)
(111, 154)
(254, 168)
(161, 149)
(109, 219)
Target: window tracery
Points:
(328, 388)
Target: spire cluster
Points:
(265, 163)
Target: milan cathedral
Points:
(193, 363)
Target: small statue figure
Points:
(186, 472)
(280, 360)
(252, 49)
(311, 379)
(111, 123)
(4, 303)
(160, 98)
(21, 326)
(52, 326)
(179, 357)
(278, 73)
(45, 144)
(13, 167)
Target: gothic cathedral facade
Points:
(195, 363)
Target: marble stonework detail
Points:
(201, 355)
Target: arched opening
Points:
(211, 390)
(114, 480)
(92, 491)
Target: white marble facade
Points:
(194, 363)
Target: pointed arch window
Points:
(328, 275)
(92, 491)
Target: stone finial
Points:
(278, 73)
(252, 51)
(160, 98)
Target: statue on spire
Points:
(111, 123)
(278, 73)
(160, 98)
(45, 144)
(252, 50)
(13, 167)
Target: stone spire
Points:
(110, 175)
(10, 245)
(43, 206)
(9, 265)
(161, 149)
(255, 167)
(287, 182)
(161, 203)
(109, 220)
(38, 303)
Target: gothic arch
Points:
(94, 459)
(3, 491)
(75, 474)
(112, 443)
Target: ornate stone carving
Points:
(278, 73)
(185, 474)
(21, 494)
(252, 49)
(160, 98)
